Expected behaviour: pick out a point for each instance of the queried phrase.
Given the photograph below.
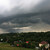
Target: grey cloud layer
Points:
(27, 17)
(27, 6)
(26, 20)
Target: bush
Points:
(30, 44)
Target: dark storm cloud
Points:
(24, 20)
(46, 17)
(19, 20)
(27, 18)
(27, 15)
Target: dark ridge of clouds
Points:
(18, 18)
(26, 20)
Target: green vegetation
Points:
(27, 40)
(31, 36)
(6, 46)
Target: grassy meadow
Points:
(6, 46)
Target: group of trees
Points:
(30, 36)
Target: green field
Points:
(6, 46)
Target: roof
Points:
(44, 42)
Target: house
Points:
(44, 45)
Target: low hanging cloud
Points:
(25, 16)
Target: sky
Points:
(24, 16)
